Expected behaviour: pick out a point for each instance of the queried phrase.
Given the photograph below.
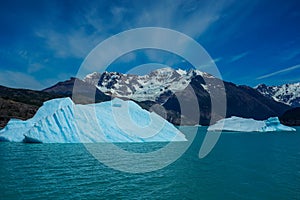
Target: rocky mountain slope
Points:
(291, 117)
(20, 103)
(23, 104)
(242, 101)
(287, 93)
(82, 94)
(163, 85)
(156, 86)
(160, 88)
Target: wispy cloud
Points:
(291, 55)
(217, 59)
(64, 32)
(279, 72)
(76, 44)
(188, 17)
(210, 64)
(239, 56)
(19, 79)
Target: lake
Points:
(241, 166)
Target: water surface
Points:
(241, 166)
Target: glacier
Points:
(147, 87)
(62, 121)
(239, 124)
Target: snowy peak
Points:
(153, 86)
(287, 93)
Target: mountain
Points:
(159, 88)
(242, 101)
(20, 103)
(287, 93)
(291, 117)
(23, 103)
(12, 109)
(31, 97)
(156, 86)
(162, 86)
(83, 91)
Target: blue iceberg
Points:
(61, 121)
(249, 125)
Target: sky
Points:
(251, 41)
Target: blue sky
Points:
(43, 42)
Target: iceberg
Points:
(62, 121)
(249, 125)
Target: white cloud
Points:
(291, 54)
(34, 67)
(239, 56)
(24, 80)
(184, 16)
(23, 54)
(128, 57)
(187, 17)
(210, 63)
(279, 72)
(75, 44)
(217, 59)
(19, 80)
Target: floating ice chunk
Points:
(61, 121)
(273, 124)
(249, 125)
(15, 129)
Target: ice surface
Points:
(15, 129)
(249, 125)
(61, 121)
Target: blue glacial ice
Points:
(61, 121)
(249, 125)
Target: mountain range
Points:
(288, 93)
(161, 87)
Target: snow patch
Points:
(146, 87)
(288, 93)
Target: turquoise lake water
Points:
(241, 166)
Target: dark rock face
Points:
(12, 109)
(204, 103)
(30, 97)
(242, 101)
(84, 93)
(20, 103)
(291, 117)
(23, 104)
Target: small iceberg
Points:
(249, 125)
(61, 121)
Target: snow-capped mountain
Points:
(163, 85)
(154, 86)
(158, 87)
(287, 93)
